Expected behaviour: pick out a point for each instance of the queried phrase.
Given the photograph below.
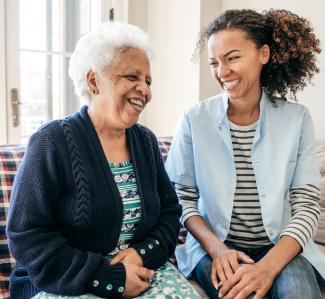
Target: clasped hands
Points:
(237, 276)
(137, 276)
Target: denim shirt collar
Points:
(222, 109)
(222, 119)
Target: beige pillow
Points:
(320, 235)
(320, 149)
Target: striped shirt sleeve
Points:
(188, 197)
(304, 201)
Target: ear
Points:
(265, 54)
(92, 81)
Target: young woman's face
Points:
(236, 63)
(123, 89)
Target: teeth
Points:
(137, 102)
(231, 84)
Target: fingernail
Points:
(152, 273)
(220, 284)
(220, 295)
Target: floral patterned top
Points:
(126, 183)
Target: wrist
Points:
(215, 247)
(270, 267)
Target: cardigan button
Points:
(142, 251)
(109, 287)
(95, 283)
(150, 246)
(120, 289)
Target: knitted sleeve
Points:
(161, 241)
(35, 241)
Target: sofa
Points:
(10, 158)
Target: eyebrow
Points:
(228, 53)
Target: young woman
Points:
(244, 162)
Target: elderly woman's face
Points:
(124, 88)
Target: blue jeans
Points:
(296, 281)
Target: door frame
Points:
(11, 28)
(3, 87)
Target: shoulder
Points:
(289, 118)
(50, 128)
(53, 133)
(204, 114)
(291, 111)
(207, 106)
(46, 133)
(43, 145)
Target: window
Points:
(48, 31)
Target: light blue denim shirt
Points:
(283, 155)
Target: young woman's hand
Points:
(225, 262)
(248, 279)
(129, 256)
(137, 280)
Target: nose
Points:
(143, 88)
(223, 70)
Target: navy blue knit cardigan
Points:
(66, 211)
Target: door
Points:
(40, 36)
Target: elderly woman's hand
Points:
(129, 255)
(137, 280)
(225, 263)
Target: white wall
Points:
(172, 26)
(208, 86)
(314, 95)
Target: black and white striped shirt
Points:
(246, 228)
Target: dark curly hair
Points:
(293, 46)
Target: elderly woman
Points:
(93, 212)
(245, 166)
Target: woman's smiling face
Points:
(236, 62)
(123, 88)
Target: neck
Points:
(103, 127)
(243, 108)
(244, 111)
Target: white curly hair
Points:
(97, 49)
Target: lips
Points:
(228, 85)
(137, 103)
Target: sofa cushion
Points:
(164, 145)
(320, 235)
(10, 157)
